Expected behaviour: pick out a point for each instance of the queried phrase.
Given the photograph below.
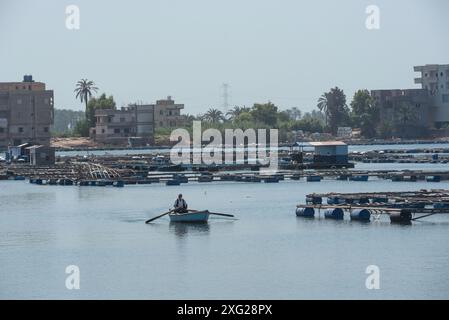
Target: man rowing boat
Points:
(180, 205)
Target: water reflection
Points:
(182, 230)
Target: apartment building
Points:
(122, 126)
(167, 113)
(435, 79)
(26, 112)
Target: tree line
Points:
(332, 111)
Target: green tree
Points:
(65, 120)
(364, 113)
(333, 104)
(102, 102)
(294, 113)
(236, 111)
(81, 128)
(213, 115)
(84, 89)
(265, 113)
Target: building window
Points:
(45, 129)
(426, 74)
(2, 130)
(122, 119)
(161, 112)
(446, 98)
(170, 113)
(126, 130)
(102, 130)
(20, 129)
(19, 101)
(116, 130)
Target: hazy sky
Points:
(286, 51)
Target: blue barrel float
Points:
(313, 178)
(305, 212)
(359, 178)
(360, 215)
(441, 205)
(403, 216)
(433, 179)
(335, 213)
(172, 182)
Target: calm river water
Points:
(266, 253)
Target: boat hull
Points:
(191, 217)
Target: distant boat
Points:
(195, 216)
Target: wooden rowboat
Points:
(190, 216)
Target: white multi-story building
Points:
(435, 79)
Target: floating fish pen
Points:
(402, 207)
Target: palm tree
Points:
(213, 115)
(236, 111)
(84, 89)
(323, 104)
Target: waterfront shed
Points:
(16, 152)
(42, 155)
(330, 152)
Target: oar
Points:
(152, 219)
(222, 214)
(216, 213)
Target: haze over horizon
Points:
(288, 52)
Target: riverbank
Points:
(86, 144)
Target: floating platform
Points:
(402, 207)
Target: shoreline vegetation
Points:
(333, 111)
(86, 144)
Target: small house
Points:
(41, 155)
(330, 152)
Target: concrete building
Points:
(167, 114)
(406, 113)
(26, 112)
(435, 79)
(120, 127)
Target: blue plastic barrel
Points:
(360, 215)
(441, 205)
(313, 178)
(305, 212)
(173, 182)
(335, 213)
(404, 216)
